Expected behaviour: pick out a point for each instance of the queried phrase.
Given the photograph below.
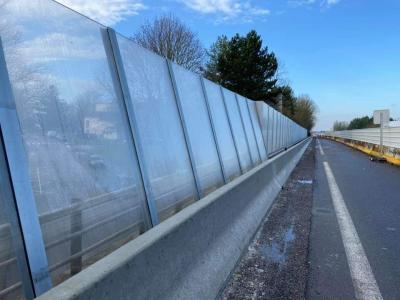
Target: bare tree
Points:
(169, 37)
(305, 112)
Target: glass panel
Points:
(280, 130)
(237, 129)
(271, 132)
(261, 112)
(10, 278)
(275, 129)
(199, 129)
(222, 130)
(159, 128)
(244, 111)
(284, 131)
(281, 127)
(257, 128)
(82, 162)
(10, 240)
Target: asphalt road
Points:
(371, 194)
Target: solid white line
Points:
(320, 148)
(364, 282)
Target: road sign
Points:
(381, 116)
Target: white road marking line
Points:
(320, 148)
(364, 282)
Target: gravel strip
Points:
(275, 265)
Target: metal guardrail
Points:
(390, 135)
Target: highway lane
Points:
(370, 192)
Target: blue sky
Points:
(344, 53)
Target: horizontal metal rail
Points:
(94, 246)
(10, 289)
(391, 136)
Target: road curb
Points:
(389, 157)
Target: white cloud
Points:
(107, 12)
(310, 3)
(331, 2)
(226, 10)
(58, 46)
(301, 2)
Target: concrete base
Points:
(190, 255)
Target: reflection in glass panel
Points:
(222, 130)
(199, 129)
(237, 128)
(10, 278)
(248, 129)
(159, 128)
(257, 128)
(82, 162)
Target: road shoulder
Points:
(275, 265)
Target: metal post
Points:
(244, 130)
(203, 86)
(185, 130)
(381, 133)
(122, 90)
(230, 126)
(252, 126)
(18, 169)
(76, 241)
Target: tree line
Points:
(240, 63)
(356, 123)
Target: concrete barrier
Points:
(190, 255)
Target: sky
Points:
(345, 54)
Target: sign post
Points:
(381, 117)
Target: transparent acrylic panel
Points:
(10, 278)
(262, 114)
(257, 128)
(160, 130)
(82, 162)
(248, 128)
(11, 286)
(285, 131)
(201, 137)
(274, 129)
(222, 130)
(278, 130)
(237, 129)
(281, 128)
(271, 132)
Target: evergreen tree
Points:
(244, 66)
